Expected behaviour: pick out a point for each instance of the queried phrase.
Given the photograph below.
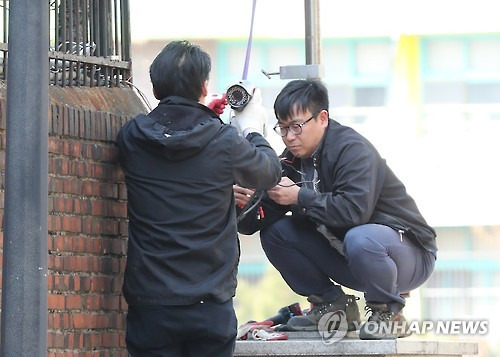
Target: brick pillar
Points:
(87, 222)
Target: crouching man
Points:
(352, 223)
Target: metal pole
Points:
(24, 276)
(313, 37)
(125, 13)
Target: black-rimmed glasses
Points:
(295, 128)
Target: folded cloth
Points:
(267, 334)
(263, 331)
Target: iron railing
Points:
(89, 42)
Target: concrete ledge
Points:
(354, 348)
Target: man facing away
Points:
(352, 221)
(180, 162)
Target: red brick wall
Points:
(87, 226)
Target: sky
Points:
(158, 19)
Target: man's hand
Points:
(242, 195)
(252, 118)
(285, 193)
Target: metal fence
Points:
(89, 42)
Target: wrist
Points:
(247, 131)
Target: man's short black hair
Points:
(180, 69)
(299, 96)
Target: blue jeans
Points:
(376, 261)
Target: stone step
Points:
(302, 344)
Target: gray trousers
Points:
(377, 261)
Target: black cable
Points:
(252, 203)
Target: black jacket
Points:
(180, 162)
(356, 187)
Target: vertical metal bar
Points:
(5, 21)
(125, 13)
(92, 24)
(49, 23)
(313, 37)
(117, 76)
(5, 37)
(92, 75)
(62, 18)
(85, 69)
(88, 38)
(92, 38)
(104, 20)
(49, 13)
(98, 74)
(116, 23)
(85, 21)
(105, 74)
(4, 53)
(125, 38)
(4, 57)
(103, 26)
(24, 275)
(56, 24)
(71, 41)
(64, 38)
(79, 41)
(70, 16)
(56, 37)
(96, 27)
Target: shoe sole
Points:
(350, 327)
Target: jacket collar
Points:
(181, 101)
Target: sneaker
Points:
(383, 324)
(319, 307)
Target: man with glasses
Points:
(352, 223)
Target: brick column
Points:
(87, 222)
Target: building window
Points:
(358, 71)
(461, 69)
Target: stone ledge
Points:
(354, 348)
